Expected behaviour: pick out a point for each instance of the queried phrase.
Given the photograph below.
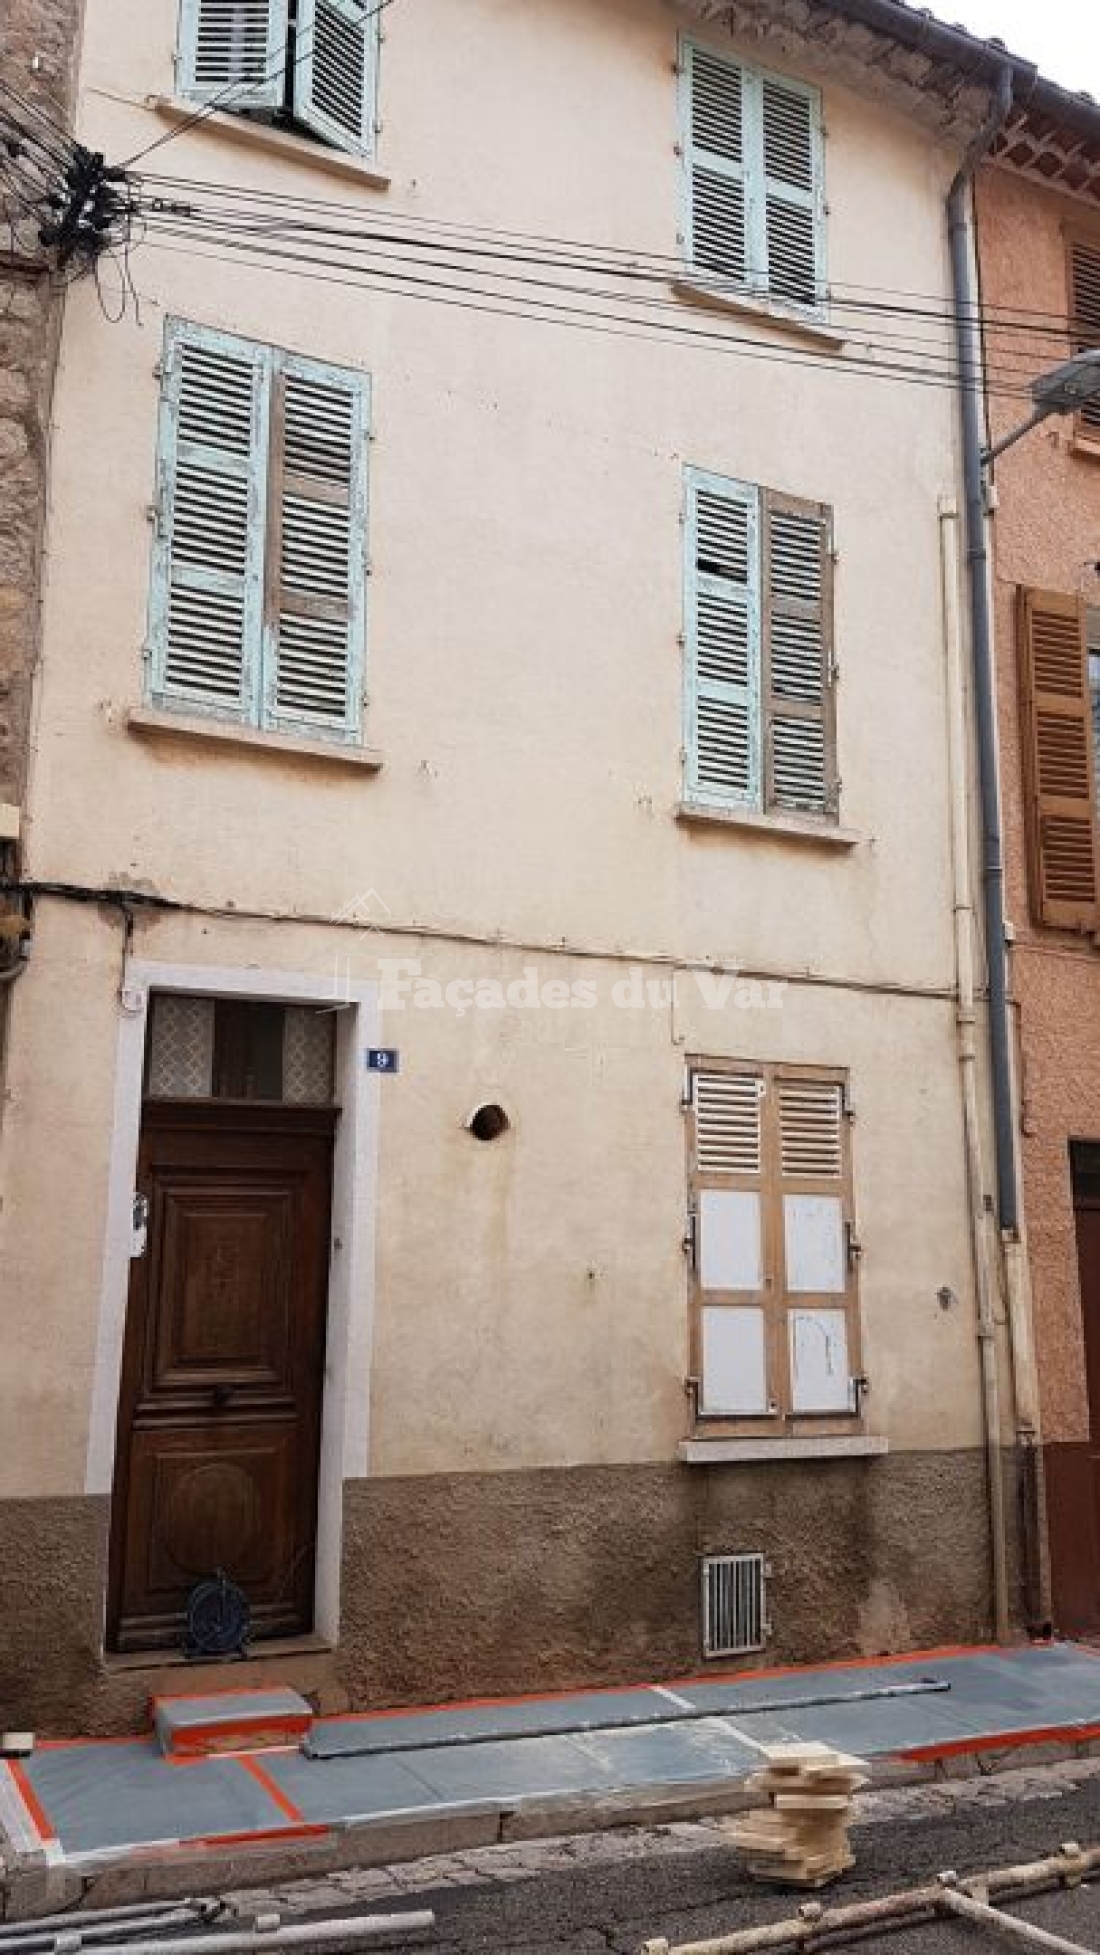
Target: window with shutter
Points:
(775, 1307)
(754, 178)
(1084, 303)
(760, 678)
(1092, 632)
(1059, 765)
(258, 594)
(310, 63)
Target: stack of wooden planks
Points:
(800, 1838)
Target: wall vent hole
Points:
(489, 1122)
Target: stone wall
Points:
(37, 60)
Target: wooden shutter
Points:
(317, 548)
(717, 191)
(1084, 274)
(234, 49)
(1058, 758)
(733, 1345)
(792, 207)
(334, 71)
(818, 1290)
(206, 607)
(723, 619)
(798, 671)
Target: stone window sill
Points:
(796, 828)
(698, 290)
(263, 136)
(151, 723)
(748, 1452)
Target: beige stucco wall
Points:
(525, 682)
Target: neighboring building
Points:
(643, 711)
(1039, 234)
(37, 63)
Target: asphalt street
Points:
(607, 1894)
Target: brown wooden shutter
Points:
(1058, 758)
(1084, 290)
(799, 718)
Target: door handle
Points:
(223, 1395)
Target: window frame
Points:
(780, 1420)
(258, 711)
(763, 504)
(753, 176)
(275, 113)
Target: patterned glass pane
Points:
(181, 1048)
(307, 1055)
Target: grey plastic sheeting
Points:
(99, 1796)
(103, 1796)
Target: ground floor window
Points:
(775, 1321)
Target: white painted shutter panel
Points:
(800, 762)
(317, 554)
(815, 1243)
(718, 189)
(723, 606)
(793, 216)
(335, 46)
(730, 1244)
(207, 595)
(235, 51)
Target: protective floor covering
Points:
(94, 1799)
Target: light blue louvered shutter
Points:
(234, 50)
(317, 549)
(723, 641)
(791, 201)
(206, 610)
(718, 215)
(798, 664)
(336, 46)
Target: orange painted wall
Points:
(1046, 534)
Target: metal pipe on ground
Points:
(814, 1924)
(38, 1938)
(357, 1932)
(968, 1909)
(200, 1909)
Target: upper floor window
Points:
(753, 155)
(1084, 304)
(307, 63)
(258, 603)
(760, 691)
(1059, 756)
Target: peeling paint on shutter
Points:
(316, 560)
(1058, 758)
(1084, 266)
(718, 210)
(727, 1122)
(800, 764)
(205, 621)
(233, 48)
(793, 219)
(723, 619)
(334, 82)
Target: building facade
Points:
(491, 1117)
(1039, 236)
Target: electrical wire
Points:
(346, 244)
(608, 325)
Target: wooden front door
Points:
(223, 1366)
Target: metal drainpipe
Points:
(969, 353)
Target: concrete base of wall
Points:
(499, 1583)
